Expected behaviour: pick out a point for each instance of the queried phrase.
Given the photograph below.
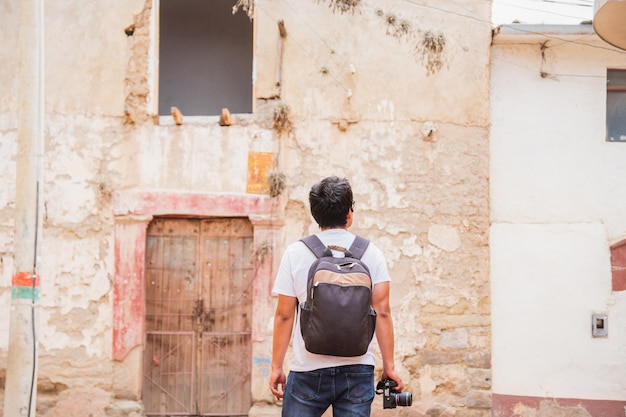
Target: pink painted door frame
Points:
(133, 211)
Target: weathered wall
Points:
(556, 210)
(408, 125)
(423, 198)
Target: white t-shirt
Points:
(291, 280)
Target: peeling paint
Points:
(528, 406)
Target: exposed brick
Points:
(479, 399)
(480, 378)
(457, 338)
(474, 359)
(75, 402)
(473, 412)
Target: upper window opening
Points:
(616, 105)
(205, 58)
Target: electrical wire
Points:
(521, 29)
(543, 11)
(549, 5)
(566, 3)
(540, 72)
(35, 278)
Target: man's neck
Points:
(333, 228)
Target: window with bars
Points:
(616, 105)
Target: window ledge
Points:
(189, 120)
(166, 120)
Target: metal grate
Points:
(197, 356)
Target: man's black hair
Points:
(331, 201)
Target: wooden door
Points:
(197, 357)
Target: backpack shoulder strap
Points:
(358, 247)
(316, 246)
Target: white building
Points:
(557, 196)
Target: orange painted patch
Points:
(259, 164)
(25, 279)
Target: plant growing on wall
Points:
(282, 119)
(396, 27)
(246, 5)
(430, 47)
(344, 6)
(277, 182)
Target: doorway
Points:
(199, 275)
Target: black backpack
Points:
(337, 317)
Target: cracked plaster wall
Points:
(422, 197)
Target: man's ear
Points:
(349, 219)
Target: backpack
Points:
(337, 317)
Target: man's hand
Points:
(394, 376)
(384, 333)
(283, 323)
(277, 383)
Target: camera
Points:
(393, 399)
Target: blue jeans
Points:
(349, 389)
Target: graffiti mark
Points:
(262, 365)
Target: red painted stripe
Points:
(25, 279)
(510, 406)
(618, 265)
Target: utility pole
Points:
(20, 394)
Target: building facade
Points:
(557, 224)
(177, 163)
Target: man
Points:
(315, 381)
